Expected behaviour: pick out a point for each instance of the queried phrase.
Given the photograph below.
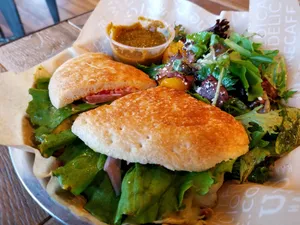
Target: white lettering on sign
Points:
(290, 36)
(293, 208)
(278, 206)
(274, 8)
(296, 199)
(251, 192)
(234, 202)
(277, 25)
(247, 205)
(273, 41)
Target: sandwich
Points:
(95, 78)
(159, 155)
(78, 85)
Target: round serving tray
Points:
(23, 163)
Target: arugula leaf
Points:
(77, 174)
(199, 97)
(223, 167)
(42, 113)
(276, 74)
(142, 186)
(257, 59)
(228, 81)
(242, 41)
(235, 107)
(239, 71)
(257, 134)
(288, 94)
(200, 37)
(52, 142)
(237, 48)
(152, 70)
(289, 136)
(102, 201)
(270, 53)
(198, 42)
(244, 46)
(215, 39)
(269, 122)
(213, 66)
(250, 160)
(249, 75)
(256, 46)
(260, 174)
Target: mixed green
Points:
(237, 75)
(231, 72)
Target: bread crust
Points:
(91, 73)
(163, 126)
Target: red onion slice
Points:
(113, 168)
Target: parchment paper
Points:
(277, 23)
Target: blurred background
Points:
(19, 18)
(22, 17)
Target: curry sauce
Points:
(136, 35)
(142, 42)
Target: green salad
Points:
(229, 71)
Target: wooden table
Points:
(16, 206)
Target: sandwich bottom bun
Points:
(163, 126)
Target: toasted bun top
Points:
(163, 126)
(91, 73)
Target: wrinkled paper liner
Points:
(276, 202)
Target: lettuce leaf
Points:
(248, 74)
(42, 113)
(102, 201)
(151, 192)
(289, 137)
(223, 167)
(269, 122)
(142, 187)
(199, 97)
(242, 41)
(199, 42)
(52, 142)
(77, 174)
(169, 201)
(276, 74)
(152, 70)
(200, 182)
(211, 65)
(42, 83)
(235, 107)
(250, 160)
(249, 49)
(260, 173)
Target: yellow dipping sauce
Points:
(138, 36)
(138, 43)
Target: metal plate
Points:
(23, 164)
